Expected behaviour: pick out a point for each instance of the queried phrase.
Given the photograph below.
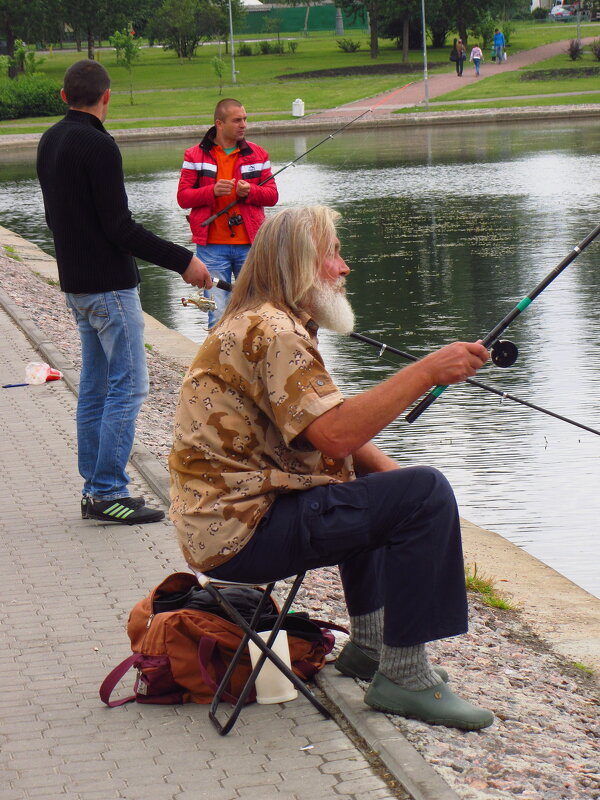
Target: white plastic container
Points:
(271, 684)
(38, 372)
(298, 108)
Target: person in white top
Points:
(476, 57)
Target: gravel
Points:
(545, 743)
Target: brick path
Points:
(413, 92)
(66, 587)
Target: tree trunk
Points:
(90, 44)
(10, 49)
(405, 42)
(306, 20)
(374, 28)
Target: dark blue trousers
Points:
(395, 536)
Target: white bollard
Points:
(298, 108)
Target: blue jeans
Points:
(223, 261)
(499, 53)
(476, 61)
(112, 387)
(396, 538)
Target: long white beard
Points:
(330, 308)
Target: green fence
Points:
(320, 18)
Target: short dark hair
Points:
(84, 83)
(223, 106)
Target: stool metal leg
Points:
(266, 652)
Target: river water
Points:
(445, 229)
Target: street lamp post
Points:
(425, 54)
(233, 73)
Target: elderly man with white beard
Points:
(274, 472)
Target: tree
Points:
(181, 25)
(362, 9)
(128, 50)
(19, 19)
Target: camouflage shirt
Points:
(256, 383)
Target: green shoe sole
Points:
(435, 706)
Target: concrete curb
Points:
(339, 117)
(404, 762)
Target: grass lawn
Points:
(171, 92)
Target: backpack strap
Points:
(113, 678)
(208, 653)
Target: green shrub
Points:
(575, 49)
(292, 46)
(265, 47)
(539, 13)
(348, 46)
(244, 49)
(30, 96)
(595, 48)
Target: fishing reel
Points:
(203, 303)
(504, 353)
(235, 219)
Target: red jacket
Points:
(199, 175)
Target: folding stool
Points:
(212, 587)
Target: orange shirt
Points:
(219, 231)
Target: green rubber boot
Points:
(436, 706)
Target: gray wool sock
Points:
(409, 667)
(367, 632)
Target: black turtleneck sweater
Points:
(81, 174)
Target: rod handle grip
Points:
(424, 404)
(221, 284)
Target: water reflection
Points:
(445, 229)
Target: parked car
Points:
(562, 13)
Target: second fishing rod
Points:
(285, 166)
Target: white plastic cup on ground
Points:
(38, 372)
(271, 684)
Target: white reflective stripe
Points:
(200, 166)
(255, 167)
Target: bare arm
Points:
(345, 429)
(369, 458)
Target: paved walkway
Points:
(67, 586)
(413, 92)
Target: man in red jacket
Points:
(222, 169)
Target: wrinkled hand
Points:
(455, 362)
(197, 274)
(242, 189)
(223, 187)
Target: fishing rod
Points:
(204, 304)
(505, 353)
(499, 392)
(291, 164)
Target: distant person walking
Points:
(499, 45)
(80, 171)
(458, 54)
(476, 57)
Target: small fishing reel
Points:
(203, 303)
(234, 219)
(504, 353)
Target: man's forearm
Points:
(369, 458)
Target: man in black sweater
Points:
(80, 171)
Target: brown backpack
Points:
(181, 655)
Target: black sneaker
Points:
(134, 502)
(126, 510)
